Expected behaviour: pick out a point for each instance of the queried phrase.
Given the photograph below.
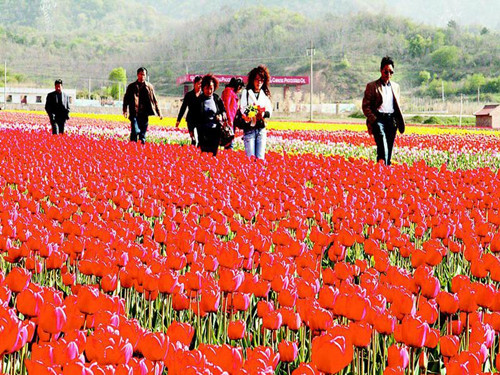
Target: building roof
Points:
(488, 109)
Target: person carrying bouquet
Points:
(256, 107)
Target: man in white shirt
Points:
(382, 110)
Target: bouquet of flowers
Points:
(252, 111)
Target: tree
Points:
(474, 82)
(418, 45)
(492, 86)
(118, 78)
(437, 86)
(424, 77)
(446, 57)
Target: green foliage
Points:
(492, 85)
(473, 82)
(357, 114)
(424, 77)
(438, 86)
(344, 64)
(443, 120)
(118, 79)
(418, 45)
(446, 57)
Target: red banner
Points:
(275, 80)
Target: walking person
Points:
(208, 115)
(57, 107)
(139, 102)
(256, 96)
(382, 110)
(187, 103)
(230, 99)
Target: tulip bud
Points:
(423, 361)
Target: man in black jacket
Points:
(188, 103)
(139, 103)
(57, 107)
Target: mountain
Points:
(82, 41)
(431, 12)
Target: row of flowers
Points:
(466, 149)
(118, 257)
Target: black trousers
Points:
(384, 132)
(58, 126)
(209, 138)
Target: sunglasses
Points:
(389, 72)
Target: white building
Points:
(25, 95)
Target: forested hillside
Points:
(83, 41)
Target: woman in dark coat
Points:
(209, 114)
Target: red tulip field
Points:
(122, 258)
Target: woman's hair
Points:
(262, 72)
(235, 83)
(207, 79)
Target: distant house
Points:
(488, 117)
(23, 95)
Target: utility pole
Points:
(442, 90)
(5, 84)
(89, 88)
(310, 52)
(461, 107)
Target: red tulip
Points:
(273, 320)
(65, 352)
(230, 280)
(449, 345)
(361, 334)
(88, 299)
(29, 303)
(236, 329)
(18, 279)
(306, 369)
(398, 356)
(448, 303)
(14, 334)
(52, 318)
(288, 351)
(327, 297)
(241, 301)
(167, 282)
(331, 354)
(154, 346)
(414, 332)
(180, 332)
(467, 299)
(264, 308)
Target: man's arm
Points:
(367, 103)
(125, 101)
(49, 108)
(155, 103)
(182, 110)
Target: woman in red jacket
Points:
(230, 99)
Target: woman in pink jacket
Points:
(230, 99)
